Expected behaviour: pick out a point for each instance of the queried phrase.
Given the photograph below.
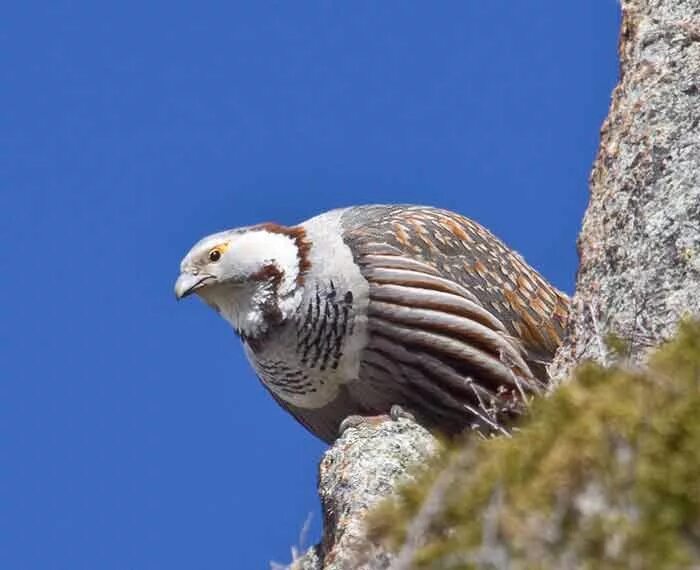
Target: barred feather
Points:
(457, 322)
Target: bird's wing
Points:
(449, 302)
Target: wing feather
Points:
(457, 321)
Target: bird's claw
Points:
(355, 421)
(395, 414)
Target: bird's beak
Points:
(188, 283)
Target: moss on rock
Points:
(605, 473)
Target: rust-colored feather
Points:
(459, 249)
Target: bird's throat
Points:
(253, 309)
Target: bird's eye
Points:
(215, 255)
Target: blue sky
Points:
(132, 432)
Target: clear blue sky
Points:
(133, 434)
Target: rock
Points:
(639, 248)
(361, 468)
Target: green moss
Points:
(605, 473)
(618, 346)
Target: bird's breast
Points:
(307, 360)
(317, 350)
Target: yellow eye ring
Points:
(215, 255)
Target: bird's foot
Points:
(395, 414)
(357, 420)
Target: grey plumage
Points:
(382, 305)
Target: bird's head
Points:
(246, 274)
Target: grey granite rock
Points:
(639, 247)
(360, 469)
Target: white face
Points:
(231, 270)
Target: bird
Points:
(383, 310)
